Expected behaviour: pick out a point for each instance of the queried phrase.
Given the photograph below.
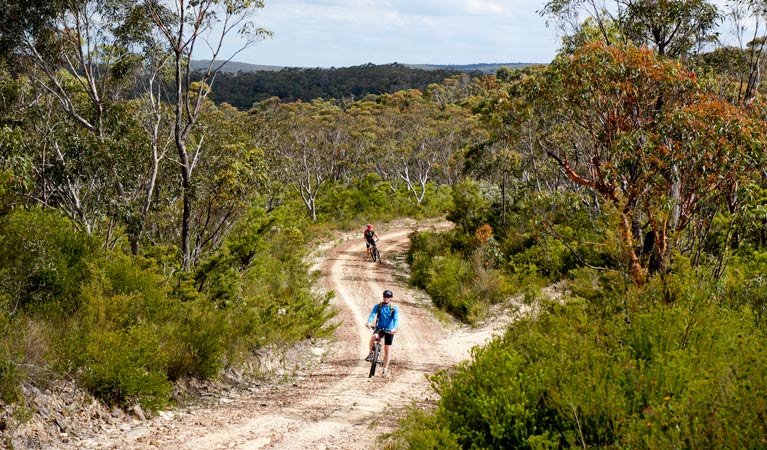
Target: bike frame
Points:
(377, 359)
(375, 255)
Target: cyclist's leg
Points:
(386, 356)
(370, 345)
(388, 340)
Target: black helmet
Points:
(388, 294)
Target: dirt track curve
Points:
(336, 406)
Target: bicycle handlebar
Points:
(377, 329)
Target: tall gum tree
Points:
(313, 140)
(638, 131)
(84, 57)
(76, 53)
(423, 141)
(186, 25)
(673, 28)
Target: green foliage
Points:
(243, 89)
(357, 201)
(687, 373)
(43, 261)
(459, 274)
(447, 285)
(262, 287)
(122, 367)
(118, 343)
(422, 431)
(470, 208)
(198, 343)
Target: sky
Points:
(344, 33)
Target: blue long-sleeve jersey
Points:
(389, 316)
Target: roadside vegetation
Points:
(648, 217)
(147, 238)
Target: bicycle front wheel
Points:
(374, 360)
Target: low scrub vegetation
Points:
(619, 370)
(125, 328)
(674, 362)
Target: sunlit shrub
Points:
(448, 285)
(123, 367)
(681, 374)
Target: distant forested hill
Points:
(244, 88)
(486, 68)
(233, 66)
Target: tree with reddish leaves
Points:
(640, 132)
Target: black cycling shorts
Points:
(388, 338)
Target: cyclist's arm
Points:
(395, 320)
(372, 316)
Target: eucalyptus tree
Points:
(76, 54)
(264, 123)
(673, 28)
(185, 26)
(86, 59)
(664, 165)
(424, 141)
(369, 135)
(509, 156)
(310, 147)
(226, 179)
(744, 64)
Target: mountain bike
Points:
(377, 359)
(375, 255)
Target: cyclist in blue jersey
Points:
(384, 315)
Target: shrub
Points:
(124, 367)
(449, 278)
(131, 338)
(684, 374)
(43, 262)
(470, 207)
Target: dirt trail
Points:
(336, 406)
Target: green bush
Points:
(43, 262)
(197, 342)
(132, 338)
(470, 207)
(458, 272)
(449, 278)
(262, 289)
(422, 431)
(644, 374)
(124, 367)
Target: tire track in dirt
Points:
(337, 406)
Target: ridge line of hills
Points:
(486, 68)
(242, 85)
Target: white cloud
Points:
(325, 33)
